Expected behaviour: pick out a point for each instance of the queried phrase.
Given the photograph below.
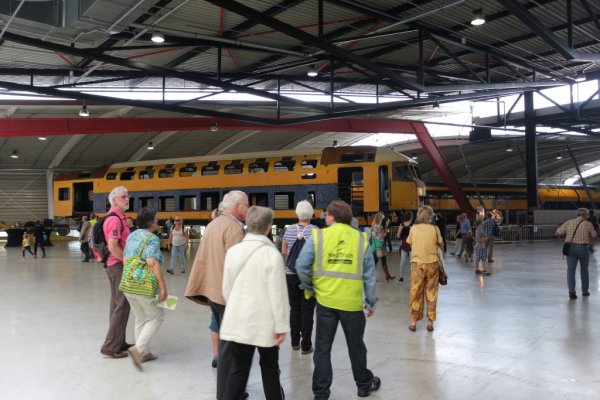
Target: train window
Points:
(127, 175)
(64, 194)
(111, 176)
(284, 201)
(166, 173)
(147, 202)
(258, 167)
(309, 176)
(209, 170)
(209, 201)
(147, 174)
(259, 199)
(356, 157)
(308, 164)
(401, 172)
(166, 203)
(284, 165)
(188, 171)
(236, 168)
(188, 203)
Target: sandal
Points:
(412, 328)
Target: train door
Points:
(384, 188)
(351, 187)
(83, 198)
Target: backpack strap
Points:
(112, 214)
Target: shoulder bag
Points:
(442, 275)
(567, 245)
(138, 277)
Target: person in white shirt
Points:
(178, 241)
(257, 315)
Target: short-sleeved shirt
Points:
(135, 242)
(424, 240)
(585, 234)
(113, 229)
(291, 235)
(488, 227)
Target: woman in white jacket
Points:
(257, 315)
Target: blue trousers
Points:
(578, 252)
(175, 250)
(353, 324)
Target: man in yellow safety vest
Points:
(336, 266)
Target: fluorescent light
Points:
(14, 154)
(157, 37)
(559, 155)
(150, 146)
(42, 138)
(478, 17)
(509, 147)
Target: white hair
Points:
(304, 210)
(257, 219)
(582, 211)
(233, 198)
(116, 192)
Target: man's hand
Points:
(163, 295)
(369, 312)
(279, 338)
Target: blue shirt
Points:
(135, 241)
(465, 226)
(304, 268)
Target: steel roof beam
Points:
(304, 37)
(190, 76)
(546, 34)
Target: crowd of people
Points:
(259, 294)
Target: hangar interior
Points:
(224, 61)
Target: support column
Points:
(531, 153)
(50, 193)
(441, 165)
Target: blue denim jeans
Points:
(353, 324)
(578, 252)
(175, 250)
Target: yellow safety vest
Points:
(338, 267)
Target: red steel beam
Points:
(72, 126)
(441, 165)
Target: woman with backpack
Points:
(402, 235)
(301, 310)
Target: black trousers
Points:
(225, 355)
(40, 244)
(302, 313)
(242, 355)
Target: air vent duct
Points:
(60, 13)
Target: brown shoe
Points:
(126, 346)
(113, 354)
(149, 357)
(412, 328)
(136, 357)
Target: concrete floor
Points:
(513, 335)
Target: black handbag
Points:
(567, 245)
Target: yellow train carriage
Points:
(370, 179)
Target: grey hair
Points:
(582, 211)
(425, 215)
(258, 219)
(232, 199)
(378, 219)
(115, 192)
(304, 210)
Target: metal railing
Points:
(508, 233)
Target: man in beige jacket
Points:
(206, 278)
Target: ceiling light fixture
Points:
(509, 147)
(14, 154)
(414, 156)
(157, 37)
(312, 71)
(150, 146)
(580, 78)
(559, 155)
(478, 17)
(334, 144)
(83, 112)
(42, 138)
(436, 104)
(214, 127)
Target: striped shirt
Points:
(585, 234)
(291, 234)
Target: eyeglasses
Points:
(125, 196)
(177, 220)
